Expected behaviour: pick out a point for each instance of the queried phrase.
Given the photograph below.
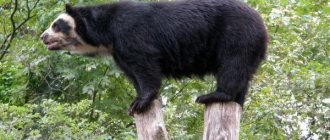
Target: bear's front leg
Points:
(147, 81)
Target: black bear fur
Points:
(152, 40)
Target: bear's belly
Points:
(198, 66)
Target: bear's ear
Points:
(69, 9)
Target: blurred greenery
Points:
(47, 95)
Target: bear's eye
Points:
(61, 26)
(55, 27)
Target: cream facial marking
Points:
(61, 35)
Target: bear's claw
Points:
(213, 97)
(139, 106)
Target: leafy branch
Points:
(95, 93)
(6, 44)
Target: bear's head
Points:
(68, 32)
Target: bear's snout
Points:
(44, 37)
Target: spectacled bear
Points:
(153, 40)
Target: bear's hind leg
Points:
(232, 80)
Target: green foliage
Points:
(48, 95)
(54, 120)
(287, 97)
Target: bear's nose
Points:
(44, 36)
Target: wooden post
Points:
(222, 121)
(150, 125)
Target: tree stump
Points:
(222, 121)
(150, 125)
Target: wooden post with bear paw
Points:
(150, 124)
(221, 122)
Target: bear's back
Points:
(188, 37)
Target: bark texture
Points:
(150, 125)
(222, 121)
